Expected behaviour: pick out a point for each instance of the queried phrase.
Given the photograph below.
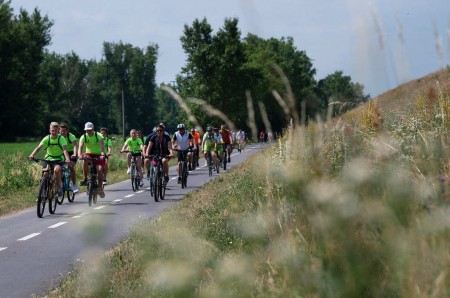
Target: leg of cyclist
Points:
(129, 162)
(99, 167)
(165, 162)
(105, 169)
(190, 158)
(73, 175)
(85, 172)
(57, 171)
(229, 151)
(147, 166)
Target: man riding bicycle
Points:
(183, 140)
(162, 145)
(95, 148)
(56, 153)
(136, 147)
(209, 144)
(72, 145)
(226, 139)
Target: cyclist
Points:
(240, 138)
(108, 149)
(95, 148)
(183, 140)
(162, 145)
(56, 153)
(219, 147)
(198, 142)
(71, 147)
(136, 147)
(146, 158)
(209, 144)
(226, 139)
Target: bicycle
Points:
(67, 186)
(183, 167)
(194, 159)
(224, 156)
(211, 165)
(157, 182)
(47, 188)
(134, 175)
(92, 184)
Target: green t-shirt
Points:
(209, 141)
(53, 147)
(70, 139)
(107, 143)
(134, 146)
(92, 143)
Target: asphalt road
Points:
(35, 253)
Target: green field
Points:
(22, 148)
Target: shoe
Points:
(105, 182)
(229, 159)
(74, 188)
(128, 171)
(60, 191)
(101, 193)
(179, 180)
(166, 178)
(141, 184)
(206, 164)
(83, 182)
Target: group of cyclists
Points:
(62, 146)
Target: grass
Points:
(345, 209)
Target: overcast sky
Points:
(379, 43)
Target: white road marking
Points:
(3, 248)
(100, 207)
(116, 201)
(80, 215)
(129, 196)
(57, 225)
(28, 237)
(141, 191)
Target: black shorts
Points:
(74, 159)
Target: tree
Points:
(22, 42)
(339, 90)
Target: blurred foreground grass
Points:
(354, 208)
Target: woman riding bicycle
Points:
(136, 147)
(209, 144)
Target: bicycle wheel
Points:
(133, 178)
(152, 182)
(156, 186)
(42, 197)
(210, 166)
(70, 194)
(162, 187)
(224, 159)
(184, 174)
(52, 203)
(90, 191)
(137, 182)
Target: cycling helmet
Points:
(180, 126)
(209, 128)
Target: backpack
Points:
(85, 137)
(59, 143)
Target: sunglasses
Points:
(158, 130)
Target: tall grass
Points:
(352, 208)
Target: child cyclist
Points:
(136, 147)
(56, 153)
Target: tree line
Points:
(119, 91)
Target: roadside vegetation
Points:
(358, 207)
(19, 177)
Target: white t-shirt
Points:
(182, 140)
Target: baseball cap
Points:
(88, 126)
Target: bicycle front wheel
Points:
(70, 194)
(184, 175)
(41, 198)
(52, 203)
(90, 191)
(156, 187)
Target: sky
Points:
(380, 43)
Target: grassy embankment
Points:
(352, 208)
(19, 177)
